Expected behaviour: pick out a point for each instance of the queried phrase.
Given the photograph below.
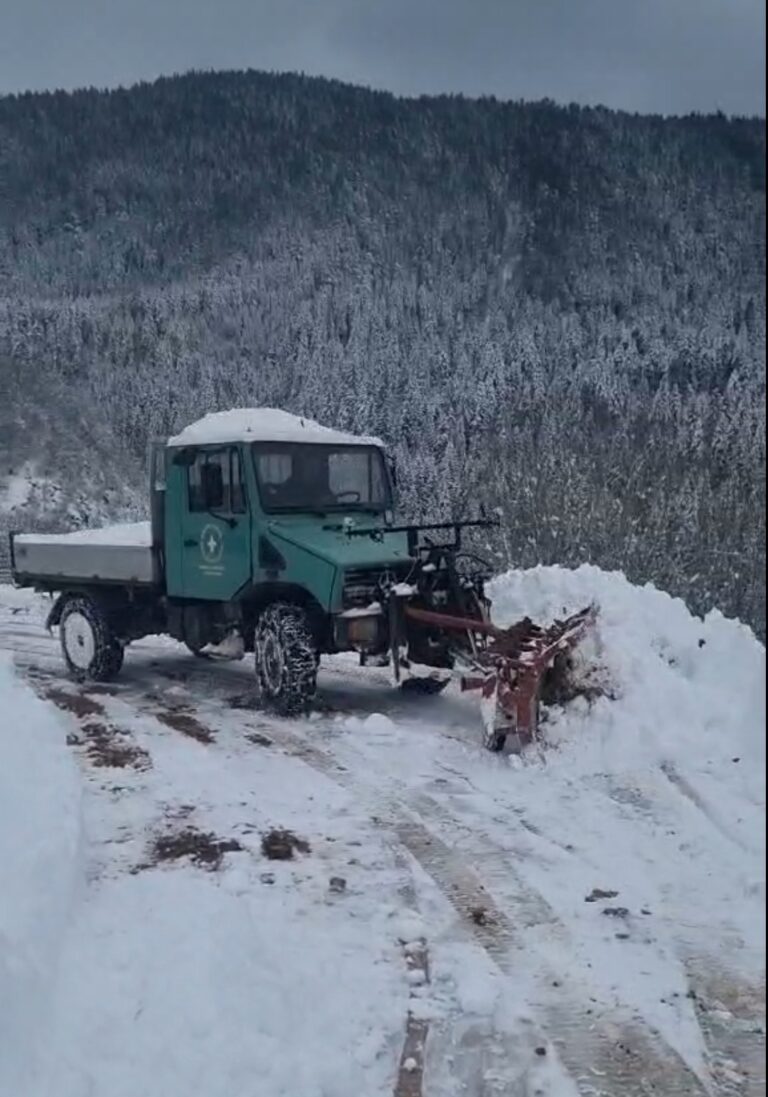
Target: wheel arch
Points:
(109, 600)
(64, 596)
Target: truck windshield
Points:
(297, 476)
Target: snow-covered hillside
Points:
(587, 919)
(555, 310)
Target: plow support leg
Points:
(517, 660)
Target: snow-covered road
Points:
(587, 920)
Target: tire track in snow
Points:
(410, 1071)
(730, 1012)
(81, 702)
(731, 1015)
(26, 650)
(470, 893)
(410, 1074)
(689, 792)
(605, 1061)
(606, 1058)
(622, 1057)
(494, 861)
(494, 864)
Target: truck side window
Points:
(206, 481)
(216, 482)
(213, 484)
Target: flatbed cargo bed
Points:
(114, 554)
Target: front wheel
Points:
(286, 658)
(89, 646)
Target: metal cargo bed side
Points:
(54, 564)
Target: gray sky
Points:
(670, 56)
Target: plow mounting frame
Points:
(508, 666)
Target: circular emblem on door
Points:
(211, 544)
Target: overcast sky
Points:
(670, 56)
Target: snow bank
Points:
(133, 534)
(695, 689)
(39, 870)
(262, 425)
(679, 736)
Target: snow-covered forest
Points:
(555, 311)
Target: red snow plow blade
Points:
(511, 666)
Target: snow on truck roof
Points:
(263, 425)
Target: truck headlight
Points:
(363, 631)
(360, 629)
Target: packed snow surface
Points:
(127, 534)
(262, 425)
(40, 830)
(587, 919)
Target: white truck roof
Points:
(263, 425)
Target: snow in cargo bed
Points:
(588, 920)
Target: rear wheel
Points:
(286, 658)
(91, 649)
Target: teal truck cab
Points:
(277, 530)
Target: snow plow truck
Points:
(279, 532)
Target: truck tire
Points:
(90, 648)
(286, 658)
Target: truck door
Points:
(216, 528)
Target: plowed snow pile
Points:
(659, 785)
(684, 711)
(685, 690)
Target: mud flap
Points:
(54, 616)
